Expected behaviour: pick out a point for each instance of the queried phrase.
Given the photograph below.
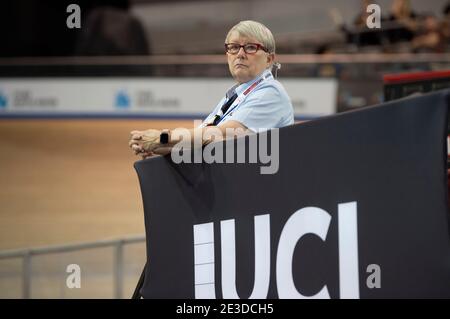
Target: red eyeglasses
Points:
(249, 48)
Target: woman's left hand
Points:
(147, 143)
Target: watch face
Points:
(164, 138)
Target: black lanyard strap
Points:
(224, 109)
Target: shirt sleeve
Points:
(261, 110)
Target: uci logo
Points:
(308, 220)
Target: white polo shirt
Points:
(266, 106)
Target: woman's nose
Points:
(241, 52)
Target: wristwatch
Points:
(164, 137)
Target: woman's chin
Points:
(241, 77)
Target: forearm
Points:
(205, 135)
(196, 136)
(150, 142)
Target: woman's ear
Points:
(270, 58)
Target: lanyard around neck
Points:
(241, 97)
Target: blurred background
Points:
(73, 87)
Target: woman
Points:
(256, 102)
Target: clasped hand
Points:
(147, 143)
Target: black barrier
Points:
(357, 209)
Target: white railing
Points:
(118, 274)
(220, 59)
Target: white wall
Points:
(206, 21)
(281, 15)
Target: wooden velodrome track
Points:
(69, 181)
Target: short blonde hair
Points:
(255, 30)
